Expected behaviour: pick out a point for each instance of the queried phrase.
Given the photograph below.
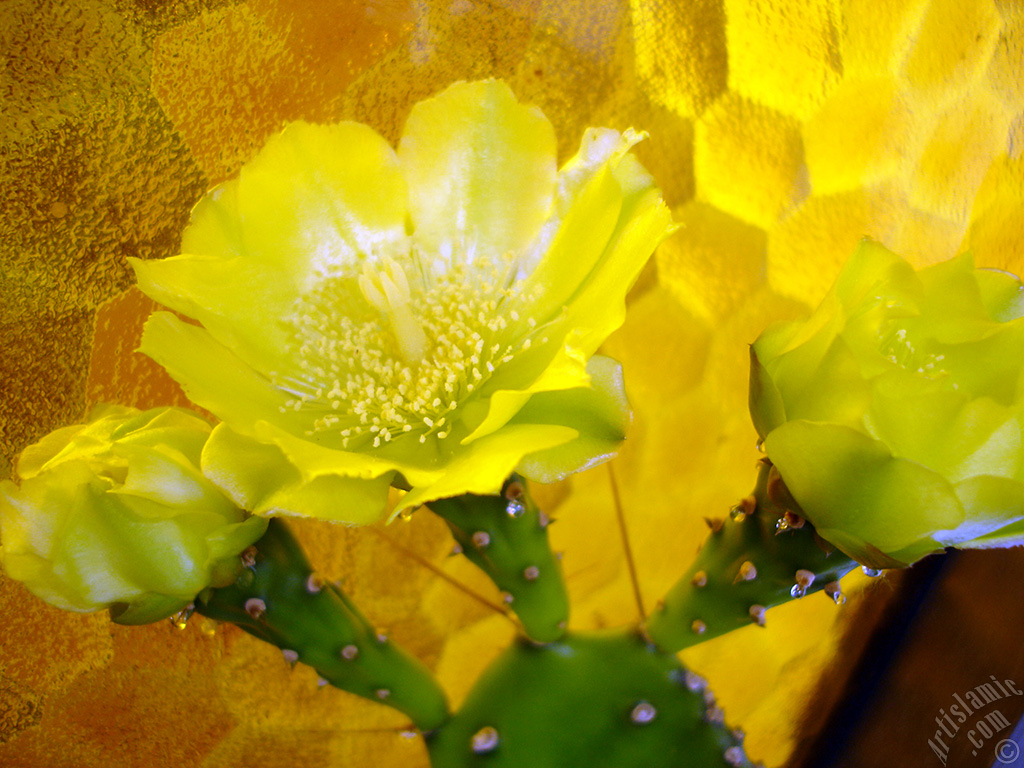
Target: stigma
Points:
(387, 290)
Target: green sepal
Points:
(766, 407)
(153, 608)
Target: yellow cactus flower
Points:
(895, 414)
(425, 318)
(116, 514)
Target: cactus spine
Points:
(279, 599)
(762, 556)
(506, 536)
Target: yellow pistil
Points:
(387, 291)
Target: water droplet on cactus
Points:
(531, 573)
(457, 549)
(515, 508)
(485, 740)
(409, 735)
(790, 521)
(180, 619)
(481, 539)
(507, 598)
(382, 693)
(314, 584)
(804, 578)
(349, 652)
(255, 607)
(406, 515)
(700, 579)
(797, 591)
(322, 682)
(643, 713)
(543, 520)
(746, 507)
(734, 756)
(872, 572)
(292, 657)
(833, 590)
(698, 627)
(757, 613)
(760, 445)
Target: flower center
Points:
(900, 349)
(392, 357)
(388, 292)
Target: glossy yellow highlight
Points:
(957, 157)
(952, 48)
(691, 266)
(761, 186)
(876, 37)
(860, 136)
(688, 69)
(786, 57)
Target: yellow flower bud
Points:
(116, 514)
(895, 413)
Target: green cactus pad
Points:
(506, 536)
(763, 556)
(607, 700)
(280, 600)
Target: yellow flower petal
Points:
(317, 198)
(212, 376)
(483, 467)
(599, 413)
(481, 172)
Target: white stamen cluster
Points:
(403, 359)
(899, 350)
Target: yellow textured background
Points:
(781, 133)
